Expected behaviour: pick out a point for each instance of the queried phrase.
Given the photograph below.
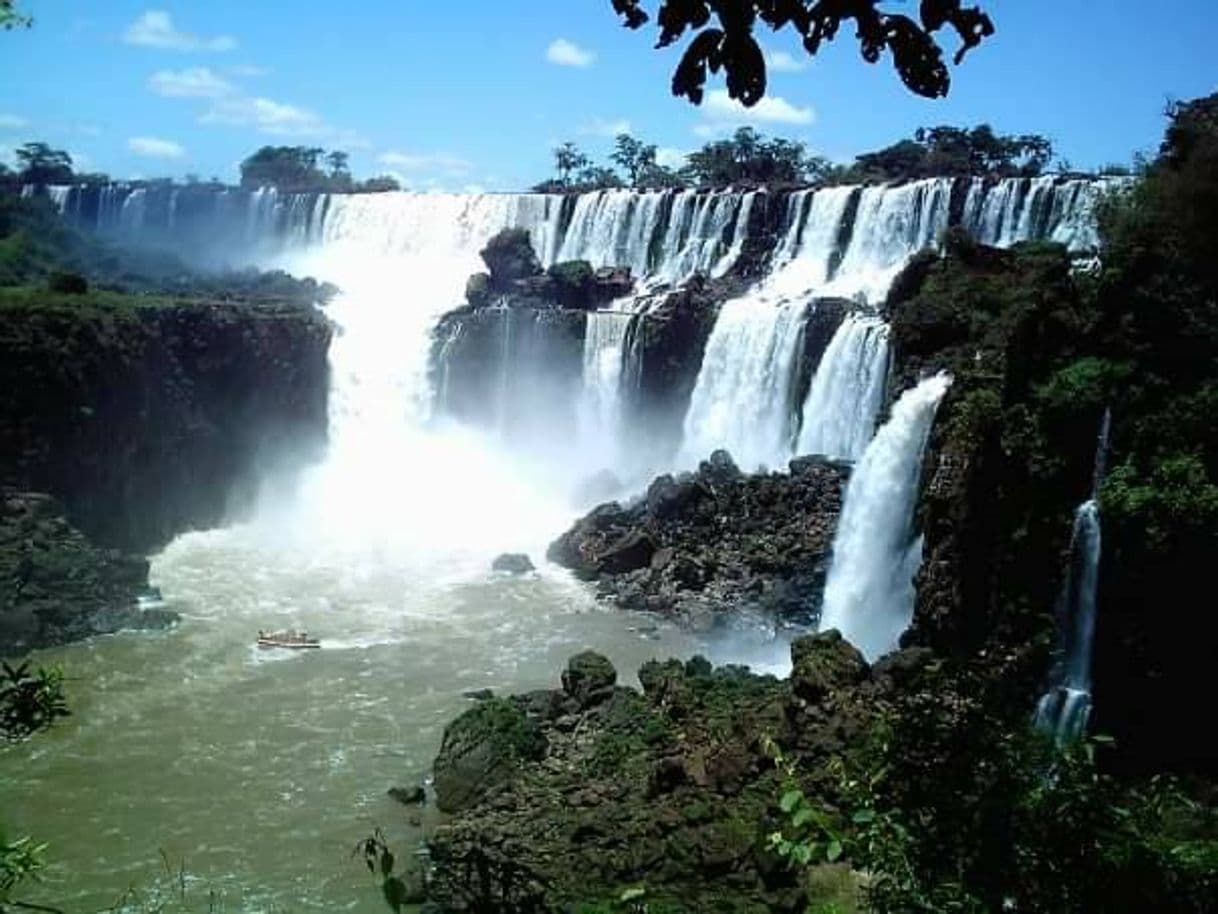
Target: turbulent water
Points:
(869, 593)
(258, 771)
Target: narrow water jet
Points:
(1065, 708)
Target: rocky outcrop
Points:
(675, 788)
(56, 586)
(714, 541)
(148, 417)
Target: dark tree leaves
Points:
(730, 45)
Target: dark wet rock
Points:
(478, 289)
(56, 586)
(478, 694)
(148, 420)
(409, 796)
(824, 663)
(481, 750)
(509, 256)
(713, 542)
(589, 678)
(674, 788)
(512, 563)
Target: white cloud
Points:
(424, 162)
(568, 54)
(599, 127)
(723, 112)
(155, 29)
(266, 115)
(156, 148)
(193, 82)
(782, 62)
(248, 70)
(12, 122)
(668, 157)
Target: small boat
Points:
(288, 639)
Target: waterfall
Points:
(847, 390)
(742, 397)
(601, 410)
(869, 593)
(1064, 709)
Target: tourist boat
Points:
(288, 639)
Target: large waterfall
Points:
(869, 593)
(1065, 707)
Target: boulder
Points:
(509, 256)
(481, 750)
(823, 664)
(409, 796)
(630, 552)
(512, 563)
(478, 290)
(589, 678)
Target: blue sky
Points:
(476, 94)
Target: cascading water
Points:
(869, 592)
(847, 390)
(742, 397)
(601, 410)
(1065, 708)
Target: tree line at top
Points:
(746, 158)
(749, 158)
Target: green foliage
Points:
(20, 860)
(11, 17)
(30, 701)
(40, 164)
(748, 156)
(299, 168)
(946, 151)
(69, 283)
(634, 157)
(729, 44)
(381, 862)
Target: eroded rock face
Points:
(147, 421)
(714, 541)
(56, 586)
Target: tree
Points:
(291, 168)
(747, 156)
(634, 157)
(731, 47)
(337, 160)
(945, 151)
(11, 17)
(40, 164)
(568, 159)
(379, 183)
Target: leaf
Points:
(790, 800)
(802, 816)
(833, 851)
(863, 816)
(394, 891)
(633, 893)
